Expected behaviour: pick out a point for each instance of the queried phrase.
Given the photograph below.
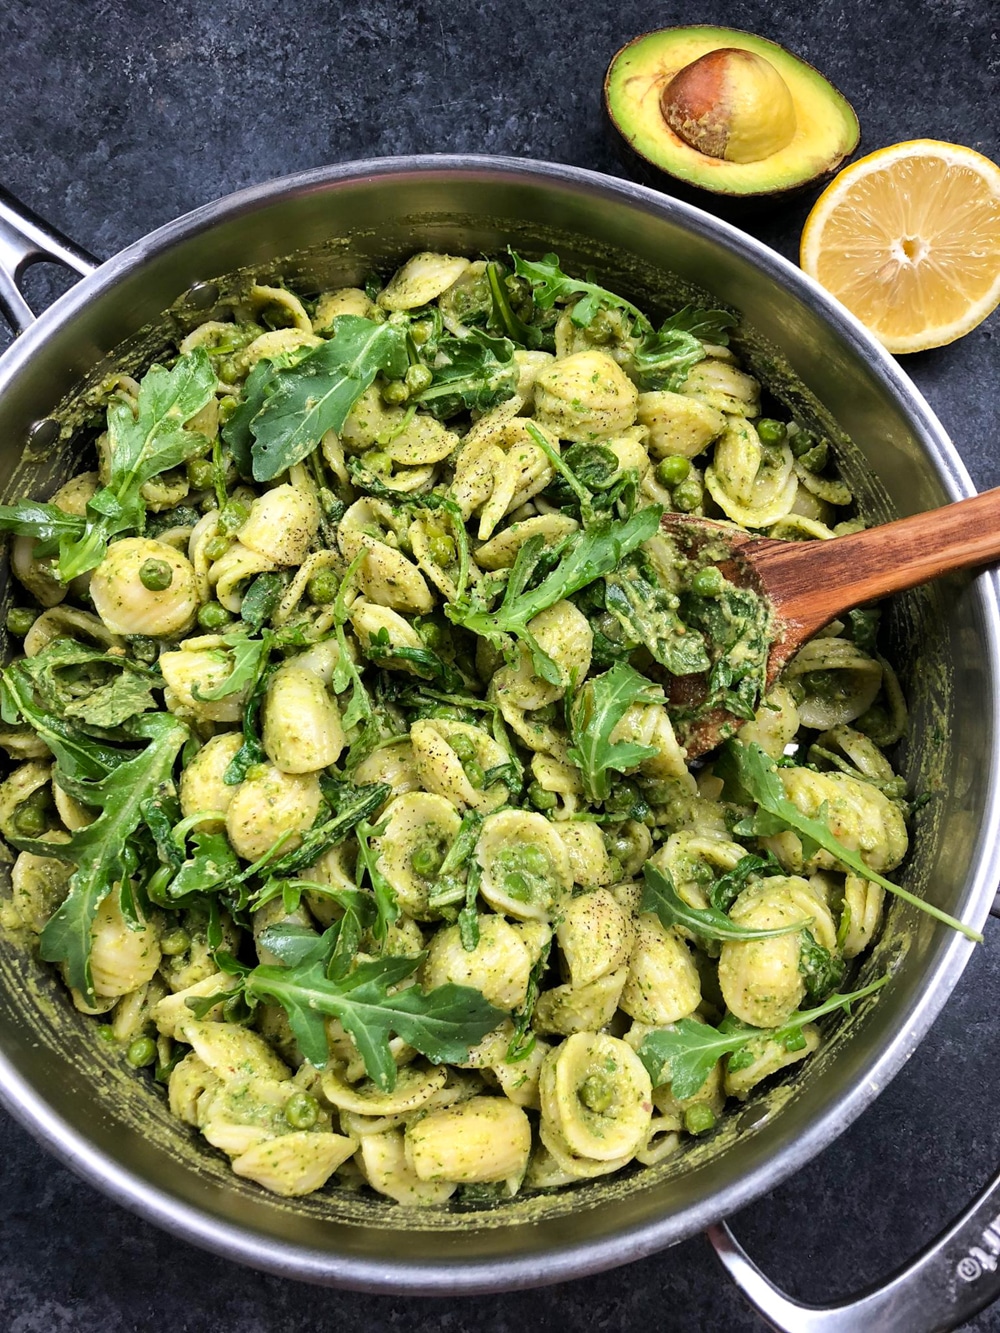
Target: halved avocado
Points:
(724, 111)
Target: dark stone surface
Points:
(119, 116)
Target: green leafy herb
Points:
(101, 850)
(710, 326)
(583, 556)
(662, 360)
(261, 599)
(143, 442)
(595, 712)
(77, 754)
(728, 887)
(125, 695)
(472, 373)
(822, 970)
(752, 778)
(685, 1053)
(550, 284)
(385, 895)
(249, 657)
(522, 1042)
(660, 896)
(441, 1024)
(648, 613)
(302, 402)
(508, 321)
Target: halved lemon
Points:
(908, 238)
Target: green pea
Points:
(535, 861)
(672, 470)
(433, 635)
(323, 587)
(447, 713)
(200, 474)
(30, 821)
(699, 1118)
(540, 798)
(378, 461)
(156, 575)
(40, 798)
(770, 431)
(213, 616)
(801, 441)
(426, 861)
(175, 942)
(395, 393)
(232, 517)
(517, 886)
(464, 747)
(442, 550)
(816, 458)
(597, 1092)
(420, 331)
(418, 378)
(216, 547)
(476, 774)
(20, 619)
(301, 1110)
(141, 1053)
(227, 406)
(688, 495)
(708, 582)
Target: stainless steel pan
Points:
(329, 227)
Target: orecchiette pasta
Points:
(348, 777)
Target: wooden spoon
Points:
(809, 583)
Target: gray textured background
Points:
(116, 117)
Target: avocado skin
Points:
(673, 167)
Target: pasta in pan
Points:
(348, 783)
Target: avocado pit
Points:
(730, 104)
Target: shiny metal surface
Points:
(331, 226)
(27, 239)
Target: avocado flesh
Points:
(826, 130)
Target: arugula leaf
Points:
(236, 432)
(125, 695)
(470, 374)
(143, 443)
(550, 284)
(315, 395)
(822, 970)
(101, 850)
(660, 896)
(662, 360)
(728, 887)
(385, 895)
(505, 318)
(583, 556)
(522, 1042)
(441, 1024)
(751, 776)
(261, 599)
(358, 917)
(44, 522)
(711, 326)
(595, 712)
(686, 1052)
(77, 754)
(249, 657)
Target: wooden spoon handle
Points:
(863, 566)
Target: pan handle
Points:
(27, 239)
(955, 1277)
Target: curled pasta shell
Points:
(767, 1056)
(302, 731)
(595, 936)
(38, 884)
(417, 825)
(498, 967)
(344, 301)
(282, 525)
(775, 722)
(202, 786)
(127, 607)
(663, 984)
(719, 384)
(563, 633)
(841, 682)
(189, 1081)
(67, 622)
(414, 1085)
(122, 956)
(595, 1092)
(588, 1008)
(857, 813)
(384, 1165)
(269, 805)
(368, 620)
(295, 1164)
(678, 424)
(201, 669)
(526, 870)
(441, 771)
(424, 440)
(393, 763)
(231, 1052)
(500, 551)
(479, 1140)
(422, 279)
(586, 396)
(589, 862)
